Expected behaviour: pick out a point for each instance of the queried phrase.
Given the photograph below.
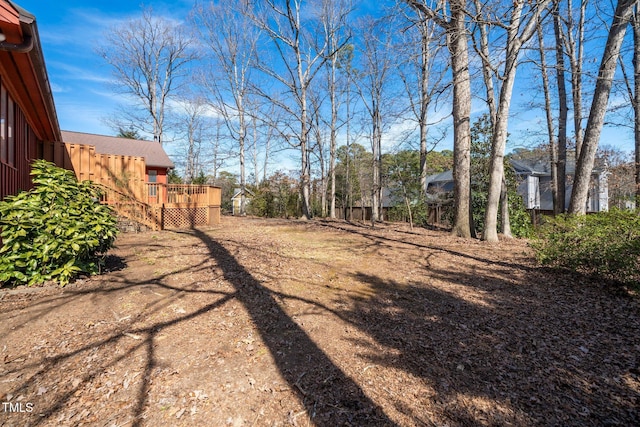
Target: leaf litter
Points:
(285, 322)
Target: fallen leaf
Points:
(134, 336)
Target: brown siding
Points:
(18, 148)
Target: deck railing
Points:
(168, 205)
(201, 195)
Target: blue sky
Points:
(69, 33)
(71, 30)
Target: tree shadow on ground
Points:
(131, 341)
(330, 397)
(476, 338)
(522, 348)
(376, 238)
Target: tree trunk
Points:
(504, 210)
(424, 103)
(459, 49)
(553, 147)
(559, 205)
(607, 70)
(376, 145)
(333, 142)
(576, 58)
(242, 133)
(499, 136)
(636, 102)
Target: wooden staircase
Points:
(129, 207)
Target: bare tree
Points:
(150, 58)
(345, 65)
(302, 49)
(636, 100)
(422, 76)
(633, 92)
(488, 74)
(455, 26)
(334, 15)
(191, 127)
(231, 43)
(561, 165)
(373, 84)
(574, 46)
(608, 64)
(519, 31)
(217, 152)
(317, 145)
(553, 144)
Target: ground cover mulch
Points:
(281, 322)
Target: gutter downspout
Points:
(27, 21)
(30, 45)
(24, 47)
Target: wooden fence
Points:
(126, 174)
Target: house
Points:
(156, 161)
(133, 174)
(29, 127)
(236, 200)
(362, 210)
(534, 185)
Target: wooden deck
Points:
(168, 205)
(154, 205)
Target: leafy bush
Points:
(54, 231)
(605, 244)
(519, 217)
(419, 213)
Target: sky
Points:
(69, 33)
(71, 30)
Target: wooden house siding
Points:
(10, 20)
(18, 146)
(28, 121)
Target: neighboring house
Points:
(29, 127)
(534, 186)
(236, 199)
(362, 209)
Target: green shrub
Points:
(54, 231)
(519, 217)
(605, 244)
(419, 213)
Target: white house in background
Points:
(236, 200)
(534, 177)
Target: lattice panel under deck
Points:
(185, 217)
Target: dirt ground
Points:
(273, 322)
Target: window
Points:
(11, 140)
(153, 178)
